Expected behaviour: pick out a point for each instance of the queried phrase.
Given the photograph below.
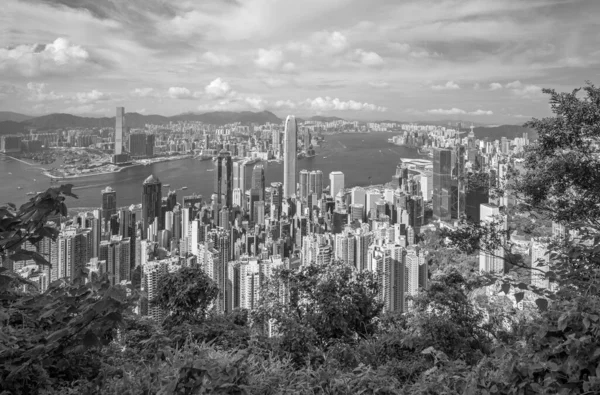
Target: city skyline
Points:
(486, 61)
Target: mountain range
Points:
(13, 123)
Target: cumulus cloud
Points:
(525, 91)
(58, 57)
(218, 88)
(368, 58)
(450, 85)
(216, 59)
(284, 104)
(269, 59)
(329, 104)
(441, 111)
(481, 112)
(494, 86)
(379, 84)
(330, 42)
(275, 82)
(256, 102)
(289, 67)
(400, 47)
(177, 92)
(144, 92)
(92, 97)
(38, 93)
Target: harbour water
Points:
(365, 159)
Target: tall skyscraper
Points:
(151, 202)
(304, 187)
(336, 182)
(224, 180)
(492, 261)
(109, 205)
(442, 184)
(315, 183)
(290, 157)
(119, 127)
(258, 181)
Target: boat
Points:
(324, 157)
(19, 187)
(210, 170)
(34, 180)
(31, 193)
(183, 188)
(10, 173)
(166, 185)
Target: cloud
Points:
(330, 42)
(525, 91)
(58, 57)
(423, 54)
(450, 85)
(494, 86)
(379, 85)
(177, 92)
(7, 90)
(368, 58)
(269, 59)
(476, 86)
(256, 103)
(84, 109)
(289, 67)
(218, 88)
(481, 112)
(452, 111)
(284, 104)
(38, 93)
(216, 59)
(329, 104)
(275, 82)
(144, 92)
(400, 47)
(92, 97)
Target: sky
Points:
(482, 60)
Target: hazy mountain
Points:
(225, 117)
(324, 119)
(59, 121)
(11, 127)
(508, 131)
(452, 122)
(13, 116)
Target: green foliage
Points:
(187, 294)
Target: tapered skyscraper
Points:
(290, 157)
(151, 202)
(119, 126)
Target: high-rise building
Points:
(258, 181)
(224, 180)
(118, 259)
(356, 212)
(109, 205)
(137, 145)
(290, 157)
(442, 184)
(540, 261)
(151, 202)
(304, 184)
(119, 129)
(336, 182)
(315, 183)
(492, 261)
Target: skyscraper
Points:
(315, 183)
(304, 187)
(258, 181)
(290, 157)
(109, 204)
(442, 183)
(120, 125)
(224, 180)
(492, 261)
(151, 202)
(336, 180)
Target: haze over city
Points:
(485, 61)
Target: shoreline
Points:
(19, 160)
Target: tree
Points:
(187, 294)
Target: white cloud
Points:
(525, 91)
(58, 57)
(379, 84)
(330, 42)
(38, 93)
(275, 82)
(329, 104)
(400, 47)
(256, 103)
(284, 104)
(423, 54)
(92, 97)
(144, 92)
(481, 112)
(452, 111)
(216, 59)
(289, 67)
(84, 109)
(476, 86)
(177, 92)
(494, 86)
(269, 59)
(368, 58)
(142, 111)
(450, 85)
(218, 88)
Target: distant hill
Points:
(225, 117)
(453, 123)
(11, 127)
(13, 116)
(508, 131)
(320, 118)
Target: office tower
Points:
(304, 185)
(149, 146)
(258, 181)
(315, 183)
(276, 200)
(119, 129)
(137, 145)
(151, 202)
(290, 157)
(222, 244)
(224, 217)
(492, 261)
(356, 212)
(259, 212)
(109, 205)
(224, 180)
(363, 241)
(336, 182)
(358, 196)
(476, 195)
(427, 186)
(442, 184)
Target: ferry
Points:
(166, 185)
(19, 187)
(31, 193)
(210, 170)
(183, 188)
